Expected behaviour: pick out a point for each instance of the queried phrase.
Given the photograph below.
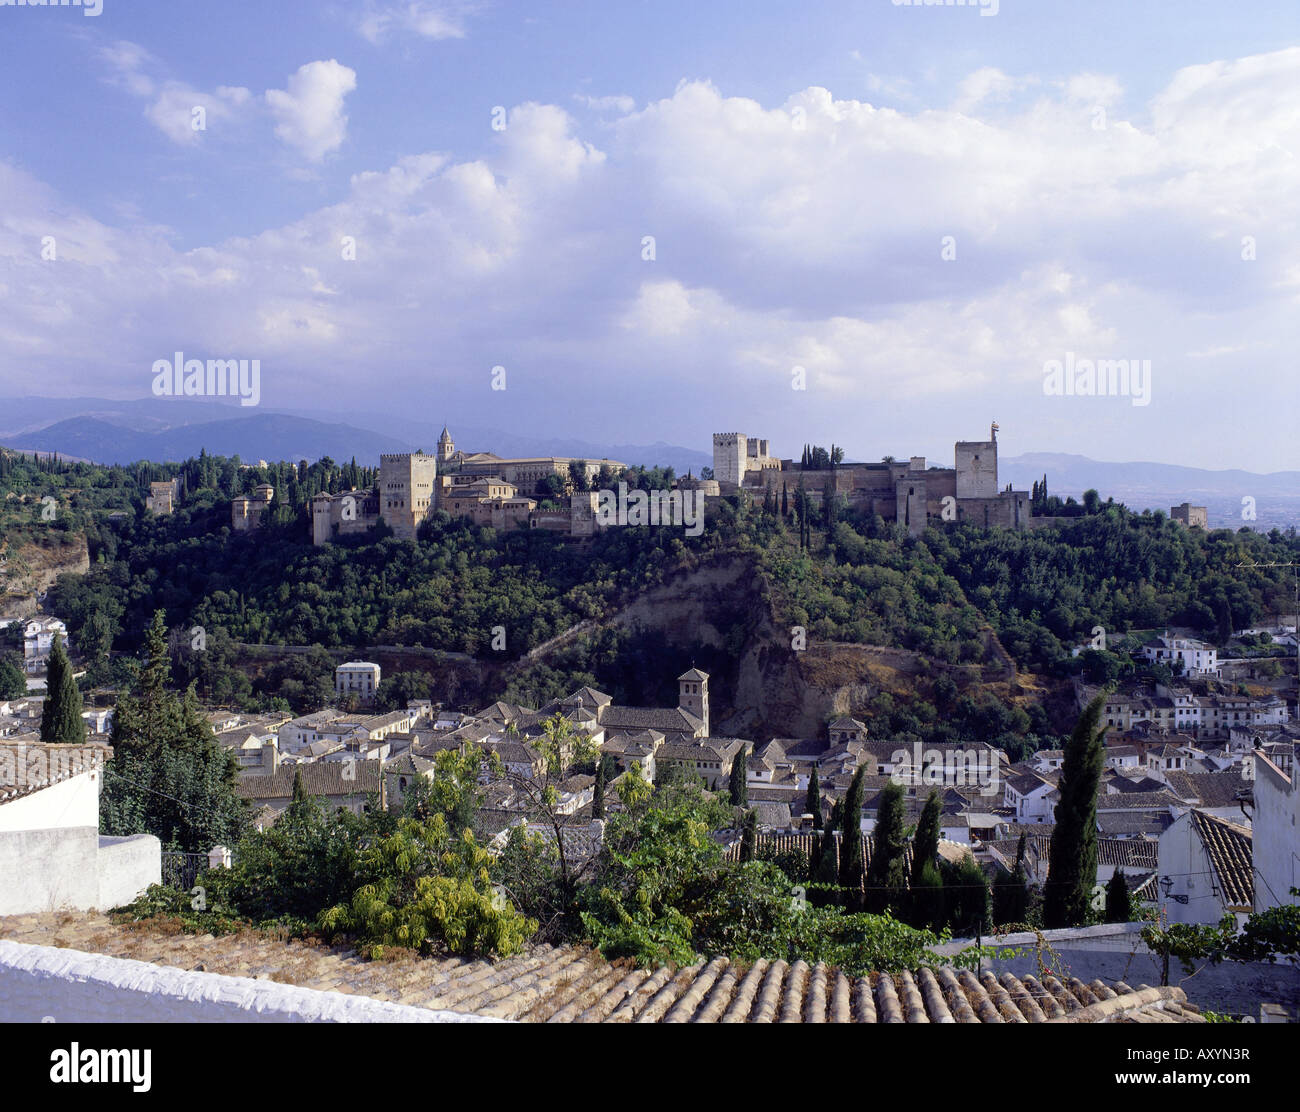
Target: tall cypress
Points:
(749, 836)
(885, 875)
(739, 785)
(61, 719)
(825, 863)
(926, 844)
(1119, 904)
(598, 794)
(851, 843)
(1072, 863)
(813, 801)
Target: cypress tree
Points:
(926, 844)
(927, 899)
(885, 874)
(851, 844)
(739, 785)
(61, 719)
(785, 500)
(825, 862)
(749, 836)
(967, 892)
(1072, 864)
(598, 794)
(813, 801)
(1119, 904)
(13, 683)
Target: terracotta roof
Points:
(1209, 789)
(28, 766)
(318, 778)
(572, 985)
(1228, 847)
(672, 720)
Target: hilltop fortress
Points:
(909, 493)
(508, 493)
(488, 489)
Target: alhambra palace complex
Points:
(500, 492)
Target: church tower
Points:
(446, 449)
(693, 695)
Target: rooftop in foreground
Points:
(571, 984)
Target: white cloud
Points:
(776, 245)
(988, 84)
(172, 104)
(309, 113)
(428, 20)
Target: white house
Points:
(1033, 798)
(38, 640)
(52, 855)
(1197, 658)
(1276, 829)
(357, 677)
(1205, 869)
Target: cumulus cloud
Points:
(174, 106)
(309, 114)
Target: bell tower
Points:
(693, 695)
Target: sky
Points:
(872, 224)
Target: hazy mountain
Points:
(1158, 486)
(110, 431)
(267, 436)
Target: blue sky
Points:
(1099, 167)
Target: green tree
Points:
(886, 880)
(739, 782)
(61, 719)
(1119, 903)
(851, 874)
(749, 836)
(13, 684)
(813, 800)
(168, 776)
(1072, 863)
(598, 792)
(926, 843)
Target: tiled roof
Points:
(1228, 847)
(318, 778)
(1134, 822)
(572, 985)
(1136, 801)
(667, 719)
(1208, 789)
(28, 766)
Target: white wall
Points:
(45, 870)
(126, 867)
(70, 986)
(1275, 837)
(72, 802)
(74, 869)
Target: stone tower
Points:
(446, 449)
(693, 694)
(407, 491)
(729, 451)
(977, 468)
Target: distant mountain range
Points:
(1160, 486)
(164, 429)
(107, 431)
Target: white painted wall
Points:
(72, 802)
(1275, 836)
(70, 986)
